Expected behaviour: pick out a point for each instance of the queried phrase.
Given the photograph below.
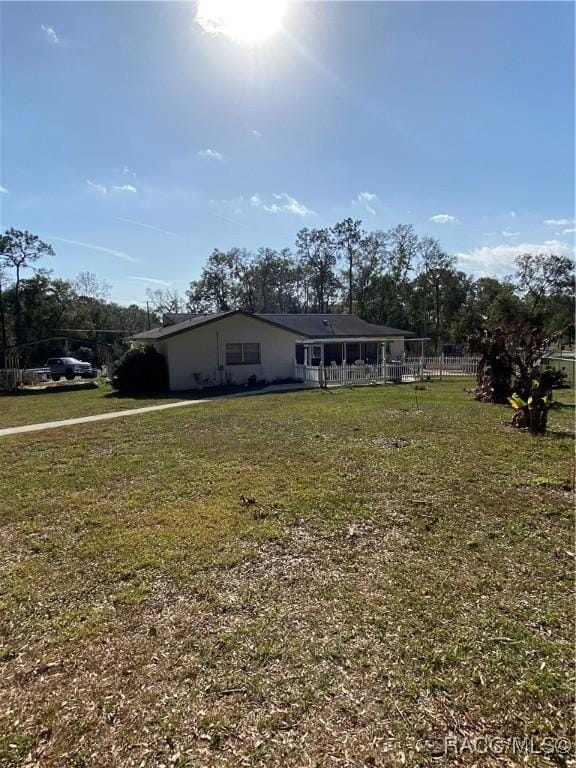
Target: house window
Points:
(242, 354)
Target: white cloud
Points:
(443, 218)
(499, 259)
(102, 189)
(569, 231)
(127, 172)
(507, 233)
(211, 154)
(254, 132)
(154, 280)
(291, 205)
(559, 222)
(366, 199)
(512, 214)
(285, 204)
(281, 202)
(50, 34)
(124, 188)
(3, 191)
(92, 247)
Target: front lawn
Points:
(302, 579)
(53, 404)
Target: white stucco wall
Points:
(194, 357)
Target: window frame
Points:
(243, 345)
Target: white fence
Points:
(16, 378)
(447, 365)
(411, 369)
(10, 378)
(565, 364)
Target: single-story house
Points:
(237, 347)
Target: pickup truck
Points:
(69, 367)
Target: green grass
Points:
(29, 407)
(307, 578)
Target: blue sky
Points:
(136, 143)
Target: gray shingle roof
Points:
(173, 318)
(174, 328)
(306, 326)
(332, 326)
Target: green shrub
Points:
(141, 370)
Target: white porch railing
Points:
(358, 374)
(411, 369)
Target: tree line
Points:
(35, 305)
(392, 277)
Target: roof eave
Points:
(176, 329)
(141, 337)
(351, 339)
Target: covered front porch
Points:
(351, 351)
(351, 361)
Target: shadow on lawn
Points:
(195, 394)
(51, 389)
(559, 435)
(561, 406)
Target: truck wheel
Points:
(69, 373)
(55, 378)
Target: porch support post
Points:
(343, 353)
(383, 354)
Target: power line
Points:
(91, 330)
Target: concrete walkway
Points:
(148, 409)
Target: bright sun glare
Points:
(248, 21)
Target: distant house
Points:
(237, 347)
